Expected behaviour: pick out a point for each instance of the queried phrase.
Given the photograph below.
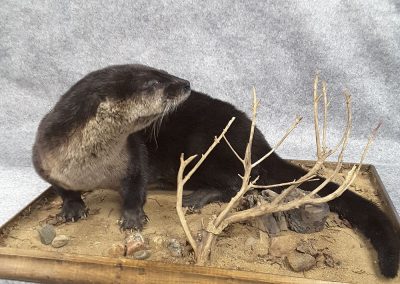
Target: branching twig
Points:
(228, 216)
(182, 180)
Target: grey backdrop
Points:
(224, 48)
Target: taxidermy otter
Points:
(118, 128)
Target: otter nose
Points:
(186, 86)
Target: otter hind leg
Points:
(203, 196)
(73, 207)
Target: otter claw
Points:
(73, 211)
(133, 219)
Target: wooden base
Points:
(54, 267)
(42, 266)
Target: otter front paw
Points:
(73, 210)
(133, 219)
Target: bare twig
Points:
(179, 208)
(283, 184)
(204, 156)
(324, 94)
(228, 216)
(182, 180)
(233, 150)
(292, 127)
(316, 126)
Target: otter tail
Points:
(361, 213)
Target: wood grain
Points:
(49, 267)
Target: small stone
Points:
(274, 223)
(329, 260)
(142, 254)
(320, 260)
(281, 221)
(267, 223)
(282, 245)
(158, 241)
(135, 237)
(133, 246)
(199, 237)
(60, 241)
(175, 248)
(117, 250)
(47, 234)
(308, 248)
(300, 261)
(250, 242)
(134, 243)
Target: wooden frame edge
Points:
(68, 268)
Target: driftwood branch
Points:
(228, 215)
(181, 180)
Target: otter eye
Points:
(152, 83)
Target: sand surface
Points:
(344, 255)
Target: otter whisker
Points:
(156, 125)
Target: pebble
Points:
(60, 241)
(320, 260)
(307, 248)
(267, 223)
(250, 242)
(158, 241)
(134, 243)
(175, 248)
(300, 261)
(272, 224)
(329, 261)
(117, 250)
(281, 220)
(141, 254)
(47, 234)
(282, 245)
(199, 237)
(134, 246)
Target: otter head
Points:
(117, 100)
(138, 95)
